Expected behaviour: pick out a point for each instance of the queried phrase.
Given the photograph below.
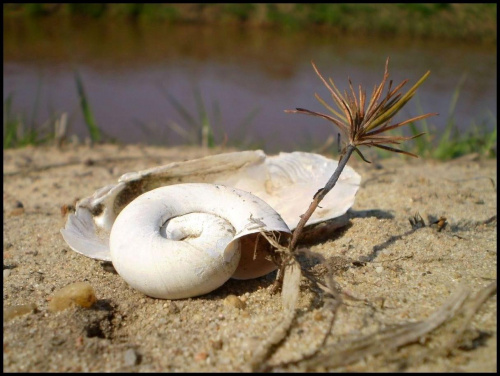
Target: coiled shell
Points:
(178, 241)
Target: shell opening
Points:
(256, 260)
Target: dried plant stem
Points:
(349, 351)
(470, 309)
(320, 195)
(290, 297)
(461, 303)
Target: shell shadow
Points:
(379, 214)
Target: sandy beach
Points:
(392, 274)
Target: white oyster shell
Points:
(287, 182)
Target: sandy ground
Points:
(397, 274)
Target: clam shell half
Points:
(287, 182)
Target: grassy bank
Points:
(473, 22)
(198, 129)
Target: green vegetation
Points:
(20, 130)
(200, 129)
(94, 131)
(14, 132)
(467, 21)
(452, 143)
(472, 21)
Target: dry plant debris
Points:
(359, 127)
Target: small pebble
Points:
(196, 317)
(244, 314)
(173, 308)
(131, 358)
(318, 316)
(201, 356)
(379, 302)
(217, 344)
(18, 310)
(234, 301)
(379, 269)
(6, 273)
(80, 293)
(16, 212)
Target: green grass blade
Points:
(10, 125)
(490, 140)
(449, 146)
(179, 108)
(423, 144)
(206, 132)
(95, 133)
(34, 112)
(456, 95)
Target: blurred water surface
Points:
(129, 69)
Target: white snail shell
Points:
(285, 183)
(178, 241)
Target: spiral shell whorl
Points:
(179, 241)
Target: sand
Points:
(393, 273)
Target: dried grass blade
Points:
(397, 106)
(394, 126)
(373, 105)
(337, 122)
(395, 150)
(290, 297)
(355, 101)
(470, 309)
(322, 79)
(329, 108)
(341, 103)
(362, 99)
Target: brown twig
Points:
(320, 195)
(290, 296)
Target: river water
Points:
(246, 78)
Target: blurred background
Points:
(223, 74)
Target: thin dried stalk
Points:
(290, 297)
(333, 301)
(319, 196)
(347, 352)
(460, 305)
(470, 309)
